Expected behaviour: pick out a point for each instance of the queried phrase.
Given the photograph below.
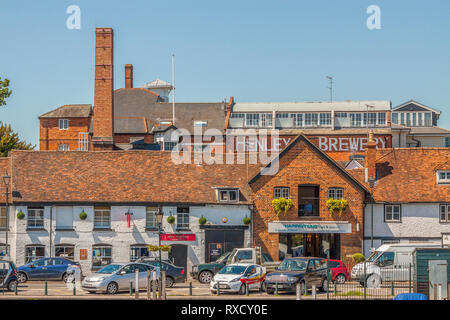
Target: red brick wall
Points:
(103, 98)
(302, 165)
(51, 136)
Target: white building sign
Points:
(309, 227)
(344, 144)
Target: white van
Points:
(390, 262)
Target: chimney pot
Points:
(128, 76)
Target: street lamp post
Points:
(159, 217)
(371, 185)
(6, 180)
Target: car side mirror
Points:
(122, 272)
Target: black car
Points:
(8, 272)
(174, 274)
(307, 271)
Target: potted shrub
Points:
(246, 220)
(336, 204)
(20, 215)
(282, 204)
(202, 220)
(170, 219)
(83, 215)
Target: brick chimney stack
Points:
(103, 124)
(128, 76)
(370, 156)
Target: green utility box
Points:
(431, 267)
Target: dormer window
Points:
(443, 177)
(228, 195)
(63, 124)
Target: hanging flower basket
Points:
(20, 215)
(202, 220)
(282, 205)
(83, 215)
(336, 204)
(247, 220)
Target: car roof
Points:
(242, 264)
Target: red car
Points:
(339, 273)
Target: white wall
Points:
(419, 221)
(120, 236)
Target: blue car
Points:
(46, 269)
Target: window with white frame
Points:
(101, 256)
(443, 177)
(392, 213)
(341, 115)
(355, 119)
(34, 252)
(311, 119)
(228, 195)
(35, 218)
(281, 192)
(298, 119)
(428, 119)
(252, 119)
(444, 213)
(150, 217)
(335, 193)
(325, 119)
(372, 118)
(266, 120)
(237, 115)
(183, 218)
(381, 118)
(63, 124)
(63, 147)
(137, 251)
(65, 251)
(394, 117)
(102, 217)
(3, 218)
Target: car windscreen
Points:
(293, 265)
(232, 270)
(110, 269)
(222, 257)
(374, 256)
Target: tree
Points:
(4, 91)
(10, 140)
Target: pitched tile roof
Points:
(119, 176)
(409, 175)
(70, 111)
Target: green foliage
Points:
(9, 140)
(202, 220)
(20, 215)
(282, 204)
(4, 91)
(170, 219)
(246, 220)
(83, 215)
(336, 204)
(156, 248)
(358, 257)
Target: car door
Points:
(386, 264)
(143, 275)
(314, 277)
(37, 269)
(125, 275)
(250, 277)
(4, 267)
(56, 268)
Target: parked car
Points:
(46, 269)
(116, 277)
(234, 278)
(389, 262)
(205, 272)
(338, 271)
(307, 271)
(174, 274)
(8, 275)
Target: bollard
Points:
(154, 285)
(335, 287)
(313, 291)
(306, 287)
(246, 290)
(74, 291)
(15, 288)
(365, 281)
(218, 288)
(410, 278)
(148, 285)
(276, 288)
(298, 291)
(45, 288)
(392, 288)
(439, 292)
(131, 287)
(136, 284)
(163, 285)
(190, 288)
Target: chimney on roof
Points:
(370, 156)
(128, 76)
(103, 124)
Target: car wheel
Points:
(169, 282)
(324, 287)
(340, 279)
(68, 278)
(373, 281)
(263, 286)
(12, 285)
(270, 291)
(242, 289)
(205, 276)
(112, 288)
(21, 277)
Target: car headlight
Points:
(194, 268)
(235, 279)
(291, 279)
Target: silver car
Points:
(117, 277)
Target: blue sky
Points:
(253, 50)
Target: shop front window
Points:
(308, 201)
